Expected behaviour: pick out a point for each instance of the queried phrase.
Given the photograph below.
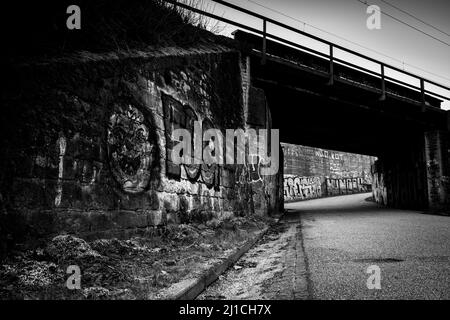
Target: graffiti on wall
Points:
(130, 148)
(303, 188)
(328, 155)
(294, 151)
(179, 116)
(340, 186)
(379, 189)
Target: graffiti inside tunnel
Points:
(303, 188)
(314, 173)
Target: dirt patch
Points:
(138, 268)
(249, 278)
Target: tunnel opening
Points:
(312, 173)
(347, 110)
(398, 170)
(395, 134)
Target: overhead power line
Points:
(414, 17)
(347, 40)
(322, 30)
(407, 24)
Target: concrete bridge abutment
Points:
(438, 170)
(415, 178)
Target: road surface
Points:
(322, 249)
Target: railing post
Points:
(383, 84)
(331, 81)
(422, 91)
(264, 44)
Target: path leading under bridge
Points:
(322, 249)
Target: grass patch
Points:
(138, 268)
(39, 28)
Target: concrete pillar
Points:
(437, 162)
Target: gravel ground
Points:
(252, 276)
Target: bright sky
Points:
(401, 45)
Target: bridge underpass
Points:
(318, 99)
(329, 243)
(322, 247)
(352, 111)
(87, 147)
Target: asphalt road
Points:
(343, 236)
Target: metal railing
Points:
(332, 59)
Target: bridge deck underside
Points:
(344, 116)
